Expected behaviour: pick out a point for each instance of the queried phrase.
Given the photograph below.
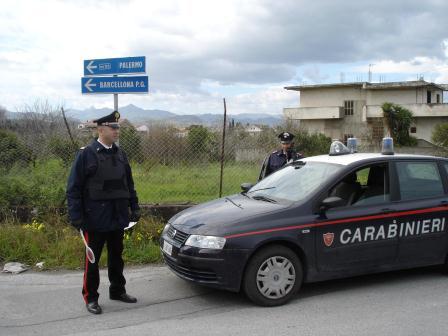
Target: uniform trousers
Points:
(115, 264)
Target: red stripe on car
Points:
(339, 221)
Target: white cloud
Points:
(253, 47)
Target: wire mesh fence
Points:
(170, 164)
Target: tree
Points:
(399, 120)
(199, 139)
(440, 135)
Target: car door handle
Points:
(444, 203)
(387, 210)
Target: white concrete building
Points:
(252, 129)
(143, 129)
(354, 109)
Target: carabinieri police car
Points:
(318, 218)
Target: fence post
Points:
(68, 129)
(222, 147)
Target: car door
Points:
(422, 206)
(354, 238)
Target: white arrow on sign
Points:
(90, 67)
(88, 84)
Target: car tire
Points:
(273, 276)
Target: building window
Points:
(428, 97)
(413, 129)
(438, 98)
(346, 136)
(348, 107)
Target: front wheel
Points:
(273, 276)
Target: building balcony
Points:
(314, 113)
(418, 110)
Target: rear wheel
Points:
(273, 276)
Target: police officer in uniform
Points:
(278, 159)
(102, 201)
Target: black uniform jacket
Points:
(276, 160)
(97, 215)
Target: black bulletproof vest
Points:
(109, 181)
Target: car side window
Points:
(419, 180)
(445, 164)
(366, 186)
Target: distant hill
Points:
(137, 115)
(130, 112)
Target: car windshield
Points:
(294, 182)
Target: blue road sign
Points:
(115, 66)
(125, 84)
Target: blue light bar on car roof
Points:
(352, 145)
(388, 146)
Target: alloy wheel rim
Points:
(276, 277)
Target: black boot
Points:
(124, 298)
(94, 307)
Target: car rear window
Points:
(419, 180)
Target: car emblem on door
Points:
(328, 238)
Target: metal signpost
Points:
(101, 76)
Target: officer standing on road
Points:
(278, 159)
(100, 194)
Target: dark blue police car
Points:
(319, 218)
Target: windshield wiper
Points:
(230, 200)
(260, 189)
(264, 198)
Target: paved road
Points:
(401, 303)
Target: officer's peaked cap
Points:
(286, 137)
(109, 120)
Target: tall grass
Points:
(60, 247)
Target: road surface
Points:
(413, 302)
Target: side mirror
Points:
(331, 202)
(246, 186)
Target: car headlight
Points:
(206, 242)
(165, 229)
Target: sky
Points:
(198, 52)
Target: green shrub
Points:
(41, 185)
(64, 149)
(12, 150)
(131, 143)
(440, 135)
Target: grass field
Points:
(190, 183)
(44, 184)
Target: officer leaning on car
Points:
(100, 195)
(279, 158)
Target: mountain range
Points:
(138, 115)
